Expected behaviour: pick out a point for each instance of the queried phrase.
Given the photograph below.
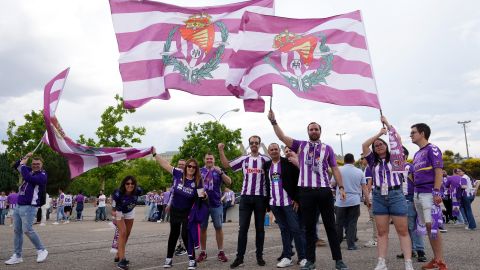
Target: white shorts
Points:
(130, 215)
(423, 204)
(10, 212)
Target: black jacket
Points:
(289, 175)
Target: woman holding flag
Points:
(388, 200)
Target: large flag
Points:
(164, 46)
(80, 158)
(325, 60)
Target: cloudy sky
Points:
(425, 54)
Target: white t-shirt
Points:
(101, 200)
(68, 200)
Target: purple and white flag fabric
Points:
(325, 60)
(80, 158)
(165, 47)
(397, 157)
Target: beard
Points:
(314, 137)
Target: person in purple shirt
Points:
(388, 200)
(3, 207)
(314, 159)
(213, 177)
(187, 186)
(428, 178)
(467, 198)
(31, 195)
(253, 198)
(80, 200)
(12, 204)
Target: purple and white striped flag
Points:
(325, 60)
(80, 158)
(165, 47)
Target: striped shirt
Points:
(278, 195)
(253, 177)
(3, 202)
(382, 172)
(314, 159)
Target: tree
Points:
(110, 135)
(8, 178)
(204, 138)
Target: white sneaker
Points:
(381, 265)
(55, 223)
(14, 260)
(42, 224)
(285, 262)
(66, 222)
(42, 255)
(167, 263)
(158, 221)
(371, 243)
(303, 262)
(408, 265)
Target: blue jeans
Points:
(101, 214)
(289, 225)
(79, 210)
(3, 212)
(467, 206)
(23, 218)
(226, 205)
(417, 240)
(60, 212)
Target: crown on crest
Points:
(198, 21)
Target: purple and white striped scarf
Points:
(437, 220)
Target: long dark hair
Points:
(122, 185)
(375, 155)
(197, 176)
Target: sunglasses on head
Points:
(191, 166)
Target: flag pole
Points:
(36, 148)
(271, 97)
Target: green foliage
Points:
(8, 177)
(204, 138)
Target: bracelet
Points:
(436, 193)
(274, 122)
(341, 187)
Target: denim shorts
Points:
(217, 217)
(393, 205)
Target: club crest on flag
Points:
(196, 56)
(304, 61)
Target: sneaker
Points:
(371, 243)
(408, 265)
(168, 263)
(180, 251)
(238, 262)
(66, 222)
(308, 266)
(381, 265)
(260, 261)
(14, 260)
(42, 224)
(302, 262)
(321, 243)
(353, 248)
(122, 264)
(202, 257)
(421, 256)
(442, 230)
(192, 264)
(340, 265)
(285, 262)
(42, 255)
(430, 265)
(221, 257)
(55, 223)
(442, 265)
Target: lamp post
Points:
(341, 142)
(220, 118)
(464, 123)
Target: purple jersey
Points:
(12, 200)
(454, 184)
(425, 161)
(125, 203)
(382, 172)
(278, 195)
(212, 182)
(229, 196)
(80, 199)
(184, 193)
(166, 197)
(3, 202)
(253, 174)
(314, 158)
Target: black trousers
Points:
(257, 205)
(448, 210)
(347, 217)
(311, 201)
(178, 222)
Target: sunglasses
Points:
(191, 166)
(254, 143)
(129, 184)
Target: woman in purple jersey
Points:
(388, 199)
(125, 199)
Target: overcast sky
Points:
(425, 54)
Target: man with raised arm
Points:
(314, 159)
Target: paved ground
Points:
(86, 245)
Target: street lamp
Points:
(218, 120)
(465, 132)
(341, 142)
